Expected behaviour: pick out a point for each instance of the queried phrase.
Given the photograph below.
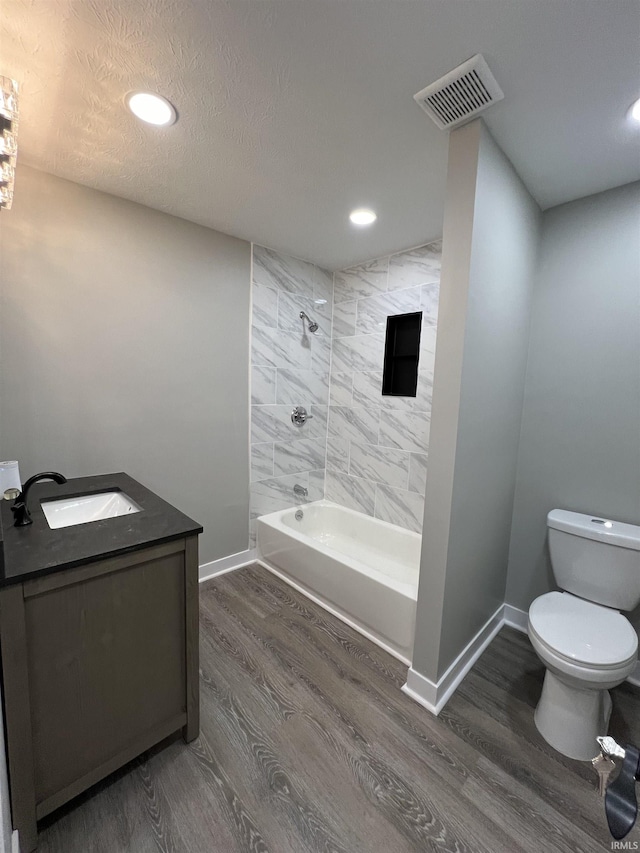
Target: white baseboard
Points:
(516, 618)
(434, 696)
(226, 564)
(422, 690)
(15, 842)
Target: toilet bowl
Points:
(587, 649)
(584, 641)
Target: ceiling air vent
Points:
(461, 94)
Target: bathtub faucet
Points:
(300, 491)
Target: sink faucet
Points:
(19, 508)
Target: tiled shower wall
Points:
(377, 446)
(289, 367)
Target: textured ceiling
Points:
(292, 112)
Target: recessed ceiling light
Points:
(362, 216)
(634, 112)
(151, 108)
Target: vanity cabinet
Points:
(99, 663)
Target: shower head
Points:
(313, 327)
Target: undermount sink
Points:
(82, 509)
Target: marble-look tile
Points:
(344, 319)
(265, 306)
(398, 404)
(289, 308)
(282, 272)
(338, 455)
(261, 461)
(367, 388)
(415, 267)
(275, 494)
(428, 333)
(400, 507)
(355, 424)
(373, 312)
(424, 391)
(379, 464)
(316, 427)
(278, 349)
(263, 384)
(341, 389)
(417, 473)
(426, 363)
(361, 352)
(272, 423)
(293, 457)
(404, 430)
(350, 492)
(367, 391)
(320, 353)
(301, 387)
(316, 485)
(429, 298)
(323, 285)
(361, 281)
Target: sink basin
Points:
(66, 512)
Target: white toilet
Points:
(584, 641)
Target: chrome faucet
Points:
(300, 491)
(19, 508)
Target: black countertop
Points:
(38, 550)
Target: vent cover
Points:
(461, 94)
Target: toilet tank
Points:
(596, 558)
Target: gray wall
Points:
(125, 346)
(491, 236)
(580, 444)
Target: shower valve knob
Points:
(299, 416)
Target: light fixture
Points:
(8, 139)
(154, 109)
(320, 301)
(634, 112)
(362, 216)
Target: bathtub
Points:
(362, 570)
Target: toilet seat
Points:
(582, 633)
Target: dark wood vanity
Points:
(99, 645)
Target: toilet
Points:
(580, 635)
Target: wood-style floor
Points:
(307, 744)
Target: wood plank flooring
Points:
(307, 744)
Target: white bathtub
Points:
(363, 570)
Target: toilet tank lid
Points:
(595, 527)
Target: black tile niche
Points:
(401, 354)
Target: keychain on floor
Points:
(620, 802)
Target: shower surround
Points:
(289, 367)
(362, 450)
(377, 445)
